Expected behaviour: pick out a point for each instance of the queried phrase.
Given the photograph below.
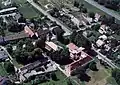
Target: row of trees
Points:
(112, 4)
(116, 75)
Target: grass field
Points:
(26, 9)
(2, 70)
(102, 77)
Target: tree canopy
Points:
(9, 67)
(116, 75)
(80, 40)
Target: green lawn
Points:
(26, 9)
(2, 70)
(111, 81)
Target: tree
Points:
(69, 82)
(20, 44)
(76, 4)
(102, 2)
(79, 70)
(22, 20)
(107, 20)
(84, 10)
(84, 77)
(2, 33)
(54, 77)
(116, 75)
(80, 40)
(58, 31)
(91, 15)
(93, 66)
(9, 67)
(37, 54)
(40, 44)
(65, 53)
(21, 56)
(9, 48)
(15, 27)
(35, 1)
(114, 27)
(96, 27)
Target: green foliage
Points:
(80, 40)
(65, 52)
(93, 66)
(9, 48)
(9, 67)
(91, 14)
(116, 75)
(96, 27)
(69, 82)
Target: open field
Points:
(2, 70)
(102, 77)
(26, 9)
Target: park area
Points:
(102, 77)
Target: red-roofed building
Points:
(79, 58)
(72, 46)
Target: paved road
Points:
(68, 32)
(104, 9)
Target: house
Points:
(39, 67)
(103, 29)
(86, 19)
(50, 46)
(100, 43)
(75, 20)
(97, 17)
(79, 58)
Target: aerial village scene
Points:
(59, 42)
